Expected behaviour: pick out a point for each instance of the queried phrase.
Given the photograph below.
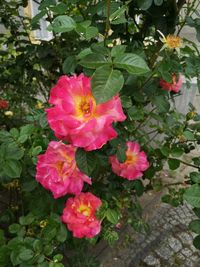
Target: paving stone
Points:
(175, 244)
(186, 252)
(151, 260)
(164, 252)
(185, 238)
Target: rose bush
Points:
(92, 119)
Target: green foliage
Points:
(103, 40)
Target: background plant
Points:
(117, 43)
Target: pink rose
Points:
(175, 86)
(136, 162)
(77, 118)
(79, 215)
(57, 170)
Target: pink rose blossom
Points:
(175, 86)
(136, 162)
(77, 118)
(57, 170)
(79, 215)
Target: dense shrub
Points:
(73, 167)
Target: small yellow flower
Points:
(39, 105)
(43, 223)
(8, 113)
(171, 41)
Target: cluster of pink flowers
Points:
(75, 117)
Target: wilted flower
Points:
(174, 86)
(79, 215)
(77, 118)
(57, 170)
(136, 162)
(3, 104)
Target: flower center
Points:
(59, 166)
(131, 158)
(85, 210)
(85, 107)
(173, 41)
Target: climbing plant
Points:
(88, 122)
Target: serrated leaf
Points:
(132, 63)
(173, 164)
(12, 168)
(196, 242)
(93, 61)
(69, 65)
(26, 254)
(118, 50)
(85, 161)
(195, 226)
(144, 4)
(112, 216)
(192, 195)
(62, 24)
(188, 135)
(106, 83)
(158, 2)
(195, 177)
(121, 153)
(161, 103)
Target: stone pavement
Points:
(169, 242)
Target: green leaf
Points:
(188, 135)
(177, 152)
(62, 24)
(144, 4)
(14, 228)
(135, 113)
(118, 50)
(84, 53)
(26, 254)
(91, 32)
(165, 150)
(58, 257)
(22, 139)
(121, 153)
(112, 216)
(192, 195)
(14, 132)
(195, 177)
(173, 164)
(106, 83)
(85, 161)
(93, 61)
(195, 226)
(158, 2)
(36, 150)
(139, 187)
(12, 168)
(161, 103)
(118, 13)
(62, 234)
(69, 65)
(36, 18)
(12, 151)
(26, 220)
(132, 63)
(196, 242)
(27, 129)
